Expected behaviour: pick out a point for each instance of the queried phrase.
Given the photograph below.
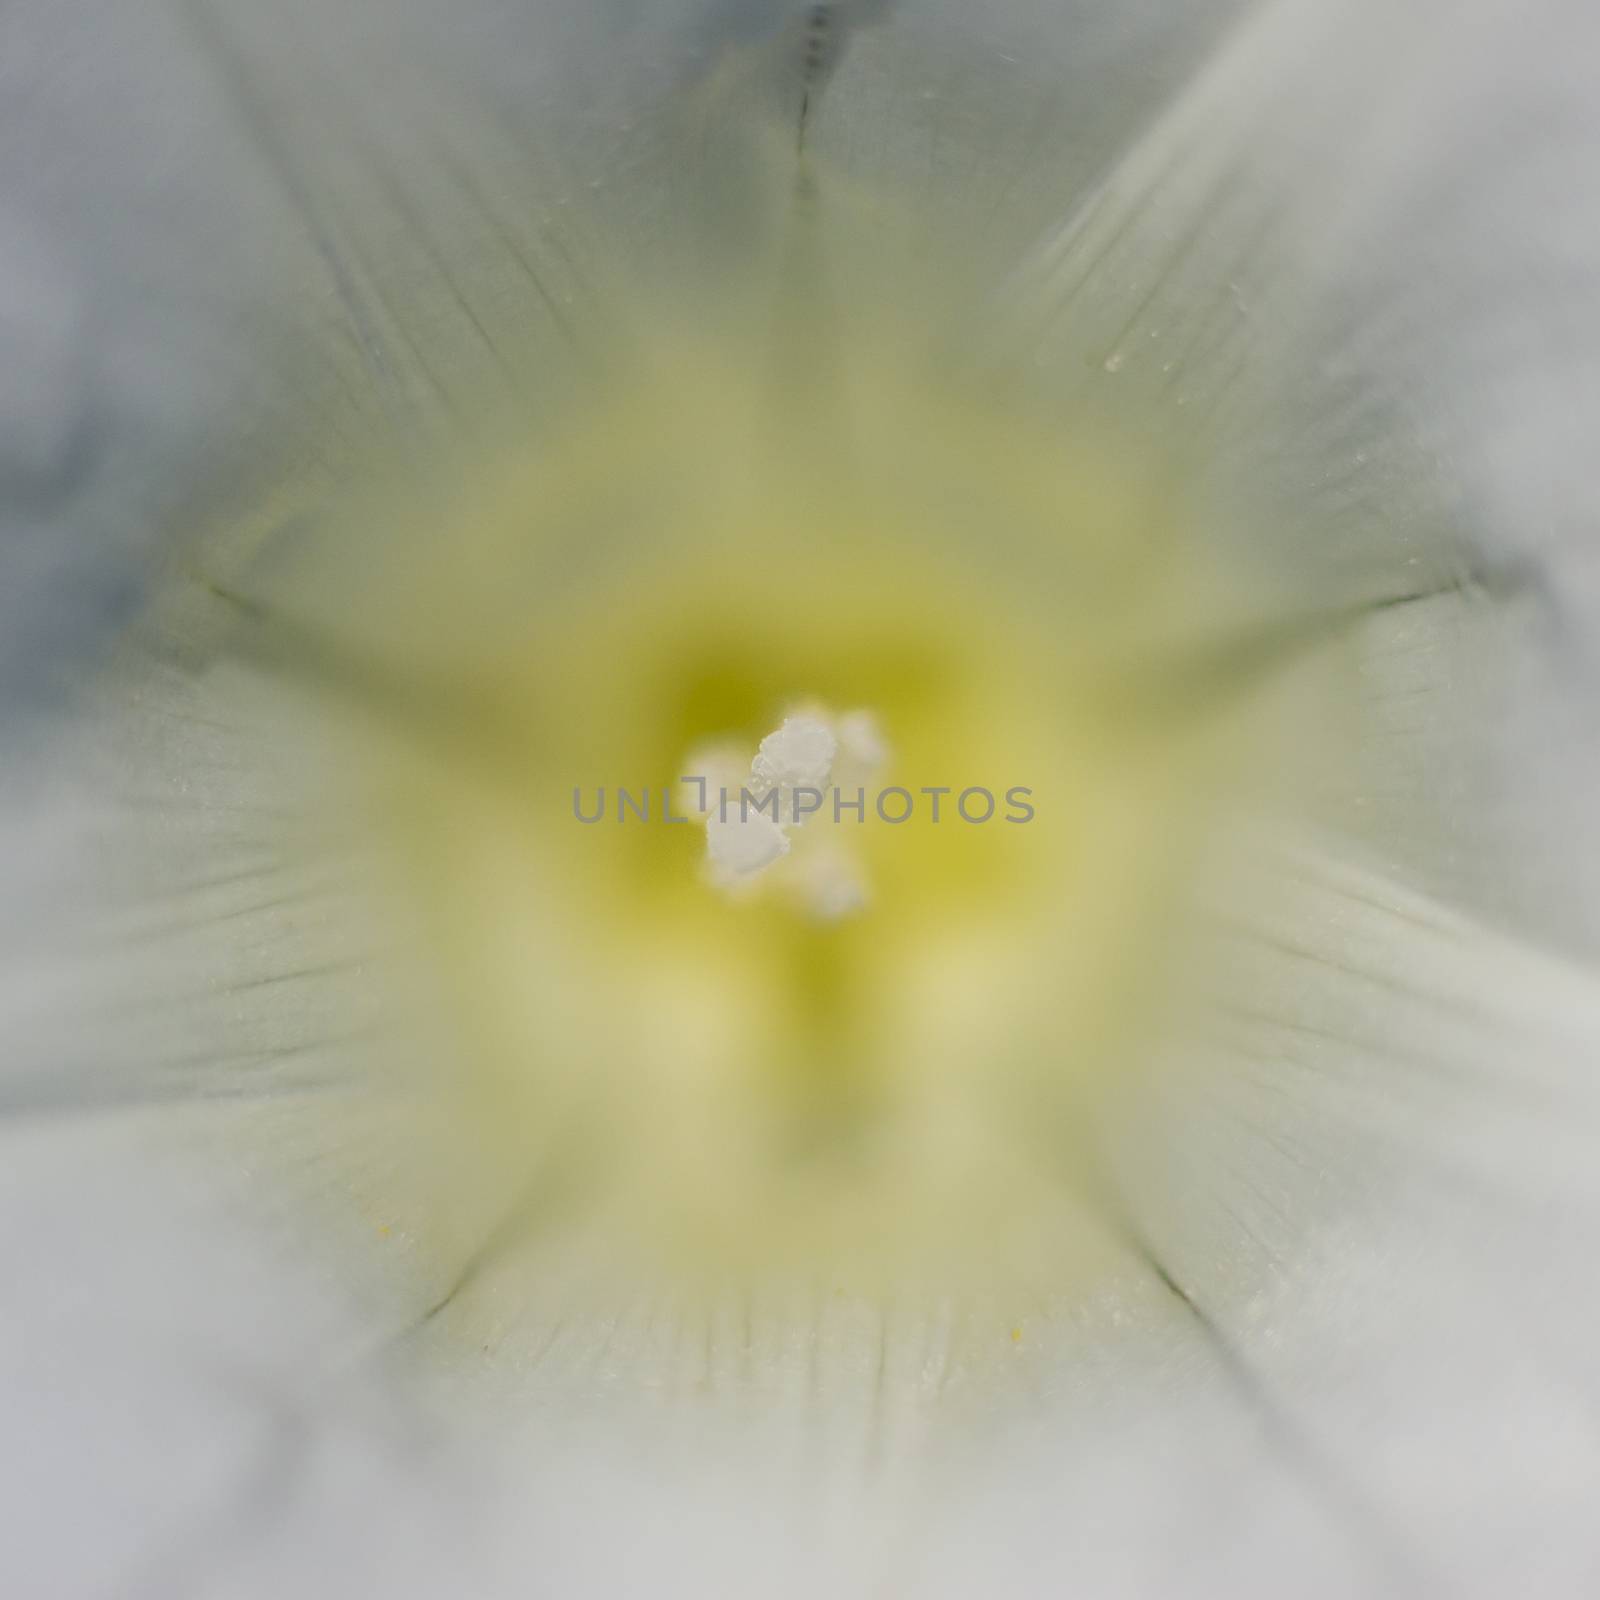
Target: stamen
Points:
(798, 756)
(742, 843)
(748, 819)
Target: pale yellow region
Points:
(697, 549)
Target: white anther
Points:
(798, 756)
(748, 813)
(863, 751)
(829, 882)
(709, 772)
(742, 843)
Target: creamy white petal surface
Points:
(282, 1318)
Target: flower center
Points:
(915, 643)
(779, 823)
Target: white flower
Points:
(406, 413)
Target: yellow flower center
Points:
(690, 566)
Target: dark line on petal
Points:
(814, 63)
(409, 215)
(92, 1096)
(321, 969)
(1287, 1439)
(464, 180)
(1048, 260)
(552, 1183)
(1214, 671)
(1097, 1189)
(463, 718)
(1182, 255)
(247, 93)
